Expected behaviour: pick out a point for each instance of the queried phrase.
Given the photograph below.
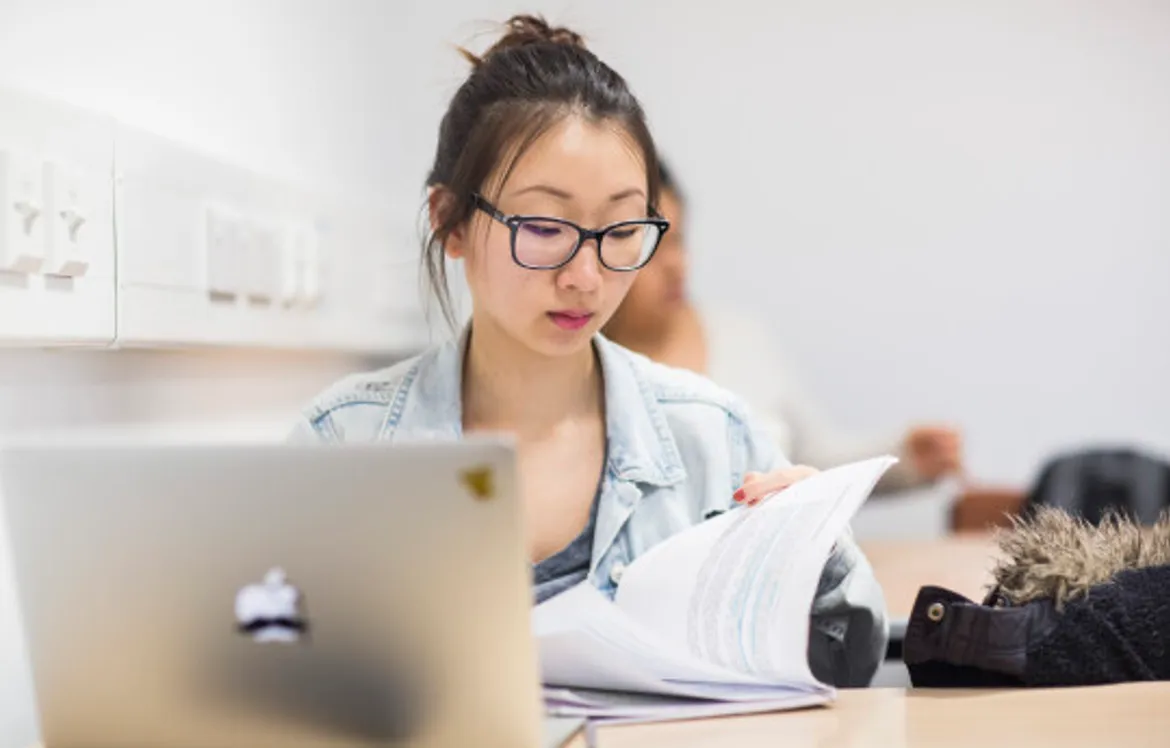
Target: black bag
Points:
(1119, 632)
(1090, 484)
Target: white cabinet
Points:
(113, 236)
(56, 231)
(211, 253)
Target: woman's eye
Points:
(543, 231)
(623, 233)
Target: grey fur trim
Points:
(1057, 556)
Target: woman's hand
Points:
(933, 451)
(757, 486)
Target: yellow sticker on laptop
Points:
(480, 482)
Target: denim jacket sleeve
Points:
(849, 626)
(354, 409)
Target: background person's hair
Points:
(528, 81)
(668, 182)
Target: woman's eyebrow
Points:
(547, 189)
(624, 194)
(566, 196)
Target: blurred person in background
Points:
(660, 320)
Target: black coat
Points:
(1119, 632)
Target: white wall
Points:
(264, 82)
(949, 209)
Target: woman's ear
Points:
(441, 204)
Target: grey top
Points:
(568, 566)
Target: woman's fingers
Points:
(756, 488)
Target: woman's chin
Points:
(557, 341)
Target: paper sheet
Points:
(711, 621)
(624, 707)
(736, 590)
(586, 642)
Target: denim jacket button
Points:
(616, 571)
(936, 612)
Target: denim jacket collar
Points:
(640, 446)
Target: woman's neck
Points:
(508, 387)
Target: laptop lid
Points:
(282, 595)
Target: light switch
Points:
(267, 279)
(302, 269)
(274, 263)
(292, 268)
(222, 248)
(22, 213)
(69, 214)
(311, 269)
(241, 263)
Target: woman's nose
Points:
(583, 272)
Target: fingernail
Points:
(739, 495)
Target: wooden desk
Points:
(1134, 715)
(961, 563)
(1129, 715)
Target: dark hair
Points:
(529, 80)
(667, 182)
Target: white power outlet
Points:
(302, 268)
(22, 213)
(266, 263)
(222, 250)
(71, 226)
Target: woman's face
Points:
(589, 173)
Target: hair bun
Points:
(523, 30)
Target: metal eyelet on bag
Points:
(936, 612)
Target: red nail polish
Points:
(738, 495)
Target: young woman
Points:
(658, 319)
(545, 183)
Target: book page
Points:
(737, 590)
(615, 706)
(595, 662)
(585, 641)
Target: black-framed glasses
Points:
(544, 243)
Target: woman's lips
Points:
(570, 320)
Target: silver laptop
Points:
(280, 595)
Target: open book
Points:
(714, 620)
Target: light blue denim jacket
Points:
(678, 447)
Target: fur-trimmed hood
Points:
(1086, 604)
(1052, 554)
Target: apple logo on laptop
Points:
(271, 611)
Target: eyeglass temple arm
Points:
(482, 203)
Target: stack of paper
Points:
(712, 621)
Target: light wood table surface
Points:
(1125, 715)
(1133, 715)
(961, 563)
